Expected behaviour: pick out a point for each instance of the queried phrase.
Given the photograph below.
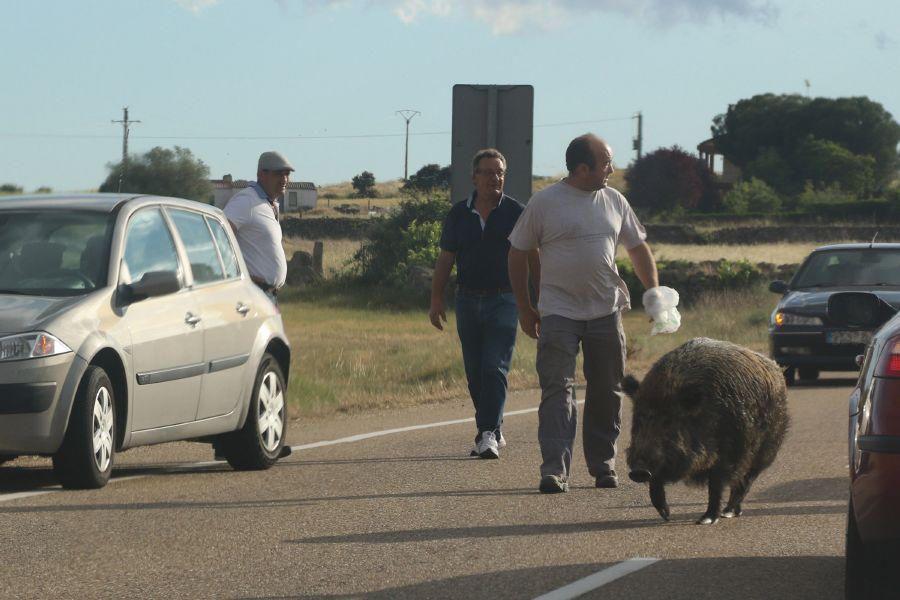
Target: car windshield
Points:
(53, 252)
(867, 267)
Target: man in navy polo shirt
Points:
(475, 238)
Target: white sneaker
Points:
(487, 445)
(501, 443)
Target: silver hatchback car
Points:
(130, 320)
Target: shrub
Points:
(670, 179)
(407, 238)
(752, 196)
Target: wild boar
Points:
(707, 412)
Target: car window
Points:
(226, 250)
(53, 252)
(201, 249)
(148, 246)
(858, 266)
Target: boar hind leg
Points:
(658, 497)
(715, 502)
(738, 491)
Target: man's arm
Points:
(438, 311)
(518, 264)
(644, 265)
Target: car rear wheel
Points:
(259, 443)
(870, 568)
(808, 373)
(85, 459)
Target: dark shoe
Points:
(553, 484)
(608, 480)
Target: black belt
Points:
(469, 291)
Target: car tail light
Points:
(889, 361)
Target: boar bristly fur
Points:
(708, 412)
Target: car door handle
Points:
(242, 308)
(191, 319)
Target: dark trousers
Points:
(486, 325)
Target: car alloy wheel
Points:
(259, 443)
(85, 458)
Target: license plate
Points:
(848, 337)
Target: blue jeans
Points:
(487, 332)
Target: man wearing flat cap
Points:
(253, 215)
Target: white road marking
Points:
(598, 579)
(345, 440)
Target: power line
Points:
(297, 138)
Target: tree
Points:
(364, 184)
(10, 188)
(768, 137)
(162, 172)
(428, 179)
(670, 179)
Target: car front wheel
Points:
(259, 443)
(85, 459)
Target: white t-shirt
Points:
(259, 236)
(577, 233)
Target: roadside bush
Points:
(406, 239)
(752, 196)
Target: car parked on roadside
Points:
(873, 515)
(128, 320)
(802, 339)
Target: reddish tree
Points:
(670, 179)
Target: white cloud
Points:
(196, 6)
(510, 16)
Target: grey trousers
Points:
(603, 342)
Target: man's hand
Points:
(438, 313)
(530, 322)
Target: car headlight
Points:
(36, 344)
(782, 319)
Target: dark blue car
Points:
(801, 338)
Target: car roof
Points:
(91, 202)
(859, 246)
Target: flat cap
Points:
(274, 161)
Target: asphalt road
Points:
(407, 514)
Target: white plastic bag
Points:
(659, 304)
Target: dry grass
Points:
(348, 360)
(335, 253)
(779, 254)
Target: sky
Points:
(322, 81)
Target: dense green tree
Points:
(10, 188)
(670, 179)
(364, 184)
(428, 179)
(163, 172)
(774, 138)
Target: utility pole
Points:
(125, 126)
(407, 115)
(638, 142)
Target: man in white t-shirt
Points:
(253, 215)
(577, 224)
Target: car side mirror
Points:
(858, 309)
(779, 287)
(153, 283)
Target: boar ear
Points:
(630, 385)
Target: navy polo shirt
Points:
(481, 255)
